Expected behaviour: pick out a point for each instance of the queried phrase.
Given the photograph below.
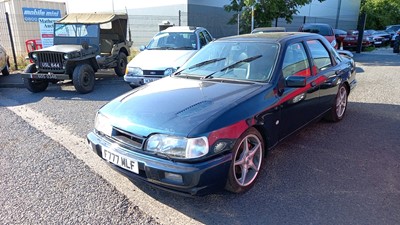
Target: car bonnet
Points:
(174, 105)
(160, 59)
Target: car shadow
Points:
(106, 88)
(327, 173)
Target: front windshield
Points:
(76, 30)
(174, 41)
(246, 61)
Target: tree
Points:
(381, 13)
(265, 11)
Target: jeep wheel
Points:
(121, 66)
(34, 85)
(83, 78)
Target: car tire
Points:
(340, 105)
(5, 71)
(83, 78)
(122, 61)
(34, 85)
(246, 163)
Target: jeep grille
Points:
(50, 61)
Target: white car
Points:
(4, 63)
(165, 53)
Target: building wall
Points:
(214, 18)
(340, 14)
(21, 30)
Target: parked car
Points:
(4, 62)
(385, 36)
(339, 35)
(378, 40)
(268, 29)
(83, 44)
(351, 40)
(165, 53)
(210, 124)
(395, 35)
(392, 29)
(320, 28)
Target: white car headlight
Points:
(134, 71)
(34, 56)
(169, 71)
(177, 147)
(102, 124)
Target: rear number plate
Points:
(119, 160)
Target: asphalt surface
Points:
(328, 173)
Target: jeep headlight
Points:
(34, 56)
(102, 124)
(177, 147)
(134, 71)
(66, 56)
(169, 71)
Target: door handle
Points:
(313, 84)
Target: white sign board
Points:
(46, 31)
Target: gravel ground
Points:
(43, 183)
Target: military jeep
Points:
(83, 44)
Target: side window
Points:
(203, 41)
(208, 36)
(320, 55)
(296, 61)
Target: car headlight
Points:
(66, 56)
(134, 71)
(34, 56)
(103, 125)
(169, 71)
(177, 147)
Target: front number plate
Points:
(120, 160)
(148, 80)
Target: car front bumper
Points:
(140, 80)
(197, 178)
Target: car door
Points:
(326, 73)
(298, 104)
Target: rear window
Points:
(323, 30)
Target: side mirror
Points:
(142, 48)
(295, 81)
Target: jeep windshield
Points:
(76, 30)
(173, 41)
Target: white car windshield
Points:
(174, 41)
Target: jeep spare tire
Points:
(122, 61)
(83, 78)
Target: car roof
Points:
(273, 37)
(182, 29)
(269, 29)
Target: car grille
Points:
(129, 140)
(153, 72)
(50, 61)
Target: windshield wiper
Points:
(200, 64)
(233, 65)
